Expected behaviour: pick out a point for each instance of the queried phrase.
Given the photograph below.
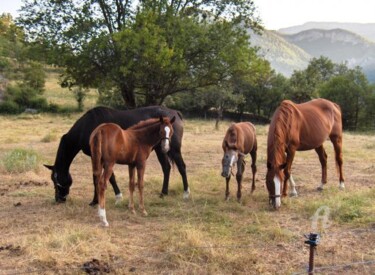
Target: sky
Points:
(276, 14)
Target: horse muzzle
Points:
(275, 202)
(60, 199)
(226, 173)
(165, 145)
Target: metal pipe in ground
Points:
(312, 240)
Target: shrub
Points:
(21, 160)
(9, 107)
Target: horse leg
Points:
(131, 187)
(323, 161)
(95, 179)
(253, 154)
(240, 170)
(108, 169)
(293, 193)
(140, 174)
(177, 157)
(287, 170)
(337, 145)
(227, 188)
(117, 191)
(166, 166)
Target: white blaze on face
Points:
(276, 180)
(232, 160)
(167, 131)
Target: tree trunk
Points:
(218, 118)
(128, 96)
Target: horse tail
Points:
(96, 152)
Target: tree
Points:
(29, 77)
(304, 84)
(144, 53)
(352, 92)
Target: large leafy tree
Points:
(351, 90)
(143, 50)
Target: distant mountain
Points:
(365, 30)
(338, 45)
(284, 57)
(289, 52)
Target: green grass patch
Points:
(344, 207)
(20, 161)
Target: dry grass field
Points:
(202, 235)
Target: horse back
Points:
(107, 142)
(241, 136)
(79, 134)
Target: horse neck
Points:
(279, 136)
(149, 134)
(65, 155)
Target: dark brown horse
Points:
(240, 139)
(109, 144)
(301, 127)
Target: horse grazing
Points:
(110, 144)
(240, 139)
(77, 138)
(301, 127)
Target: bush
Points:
(9, 107)
(21, 160)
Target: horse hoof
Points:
(186, 194)
(93, 203)
(162, 195)
(144, 213)
(293, 194)
(227, 198)
(118, 198)
(342, 186)
(105, 224)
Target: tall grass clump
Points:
(20, 160)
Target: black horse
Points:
(78, 139)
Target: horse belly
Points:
(308, 143)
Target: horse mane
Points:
(229, 143)
(144, 123)
(279, 132)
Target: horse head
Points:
(166, 132)
(229, 159)
(61, 182)
(274, 180)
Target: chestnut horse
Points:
(240, 139)
(301, 127)
(109, 144)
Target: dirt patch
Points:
(13, 250)
(22, 184)
(96, 267)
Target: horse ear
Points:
(173, 120)
(282, 166)
(226, 143)
(50, 167)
